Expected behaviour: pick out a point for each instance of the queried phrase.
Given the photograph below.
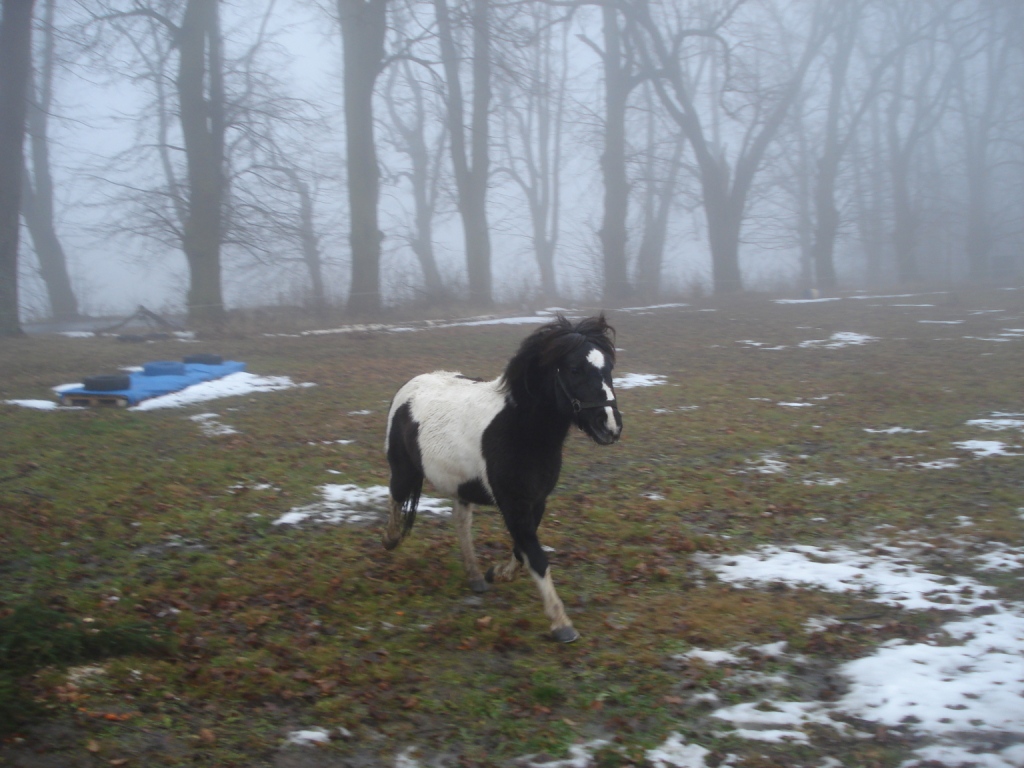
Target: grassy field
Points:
(116, 518)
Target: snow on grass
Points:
(838, 341)
(309, 737)
(824, 481)
(710, 657)
(211, 426)
(889, 579)
(632, 380)
(999, 421)
(941, 322)
(349, 503)
(232, 385)
(768, 464)
(674, 752)
(938, 463)
(580, 756)
(38, 405)
(796, 405)
(960, 687)
(804, 301)
(984, 448)
(896, 431)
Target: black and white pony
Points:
(500, 442)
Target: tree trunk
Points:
(652, 246)
(613, 161)
(37, 190)
(201, 101)
(310, 243)
(15, 65)
(470, 167)
(362, 30)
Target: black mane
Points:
(541, 351)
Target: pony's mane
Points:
(543, 348)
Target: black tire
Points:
(107, 383)
(164, 368)
(202, 358)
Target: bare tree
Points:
(980, 66)
(363, 29)
(37, 189)
(660, 181)
(726, 183)
(470, 154)
(533, 107)
(15, 66)
(919, 87)
(409, 130)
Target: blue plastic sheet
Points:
(144, 387)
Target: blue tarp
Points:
(144, 386)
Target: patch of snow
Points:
(709, 657)
(984, 448)
(404, 759)
(839, 340)
(309, 737)
(888, 579)
(826, 481)
(363, 412)
(211, 426)
(999, 421)
(804, 301)
(652, 306)
(1005, 559)
(674, 752)
(580, 756)
(632, 380)
(653, 496)
(39, 405)
(956, 755)
(967, 690)
(974, 686)
(797, 405)
(769, 464)
(937, 464)
(349, 503)
(232, 385)
(896, 431)
(941, 322)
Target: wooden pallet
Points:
(82, 400)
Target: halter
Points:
(577, 404)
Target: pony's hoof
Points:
(489, 576)
(390, 543)
(479, 586)
(565, 634)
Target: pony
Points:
(499, 443)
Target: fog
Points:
(525, 154)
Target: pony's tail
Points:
(409, 508)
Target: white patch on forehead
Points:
(596, 358)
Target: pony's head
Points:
(568, 368)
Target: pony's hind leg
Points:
(464, 532)
(506, 571)
(393, 532)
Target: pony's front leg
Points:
(523, 527)
(464, 532)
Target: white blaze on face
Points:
(596, 358)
